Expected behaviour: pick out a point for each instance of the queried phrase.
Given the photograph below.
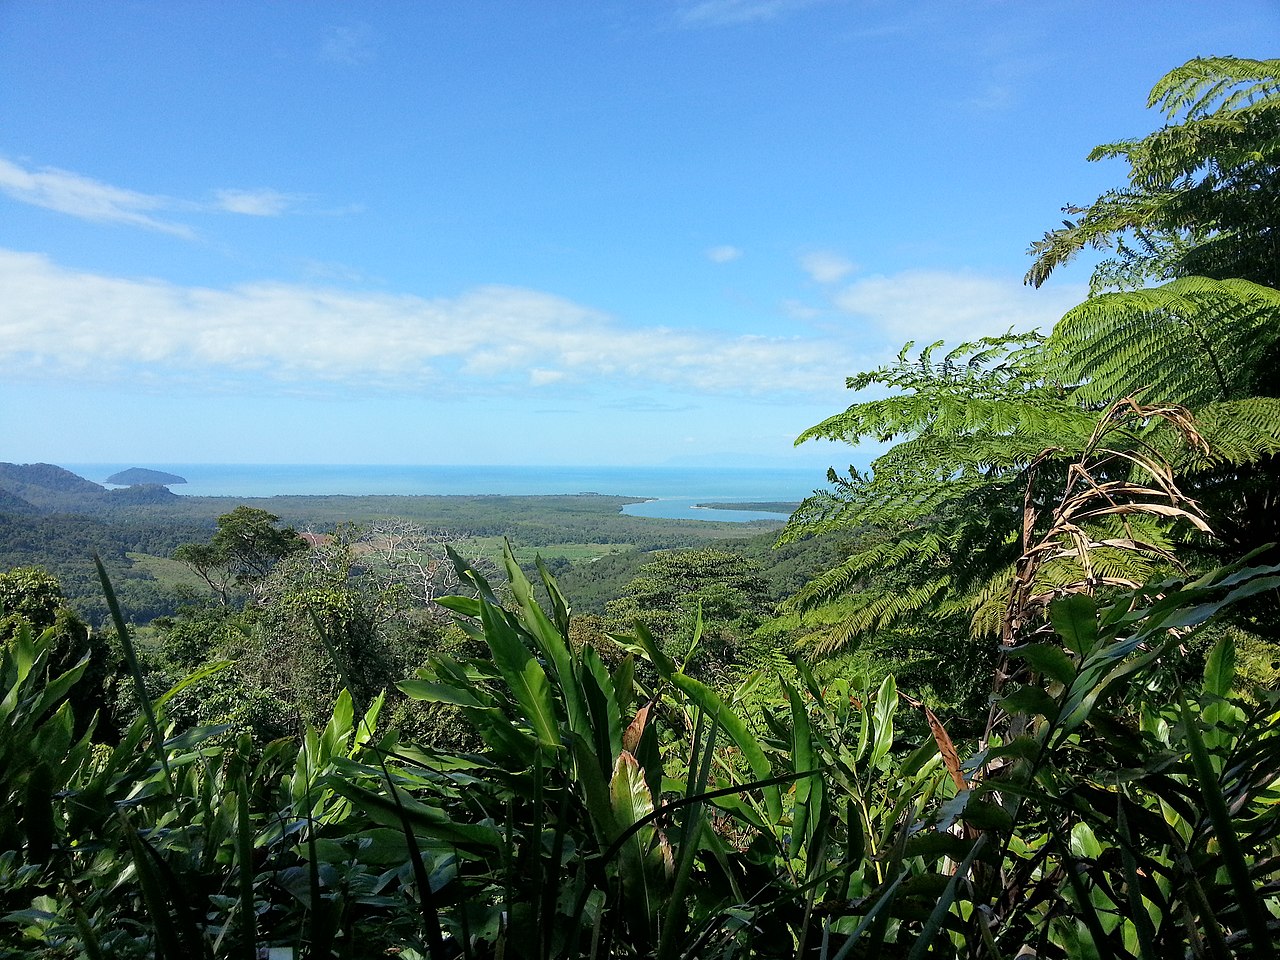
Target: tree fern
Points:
(988, 437)
(1203, 191)
(1192, 341)
(1208, 85)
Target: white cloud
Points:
(928, 305)
(541, 378)
(826, 266)
(60, 322)
(723, 254)
(723, 12)
(88, 199)
(254, 203)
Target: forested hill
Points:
(45, 488)
(140, 475)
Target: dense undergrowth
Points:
(1131, 811)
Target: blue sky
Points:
(525, 232)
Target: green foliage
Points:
(941, 514)
(245, 548)
(950, 507)
(31, 601)
(1134, 815)
(1202, 193)
(671, 592)
(30, 593)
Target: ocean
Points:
(670, 492)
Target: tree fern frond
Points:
(1191, 341)
(1206, 186)
(922, 548)
(1237, 432)
(873, 610)
(1206, 85)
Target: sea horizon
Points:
(668, 491)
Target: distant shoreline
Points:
(703, 485)
(760, 506)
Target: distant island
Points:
(769, 506)
(137, 475)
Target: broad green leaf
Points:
(595, 790)
(559, 604)
(523, 675)
(644, 640)
(553, 647)
(1075, 618)
(467, 606)
(605, 717)
(1251, 903)
(802, 760)
(706, 698)
(1030, 700)
(338, 729)
(1084, 843)
(430, 821)
(439, 693)
(882, 722)
(1220, 668)
(1047, 659)
(642, 864)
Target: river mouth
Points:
(686, 508)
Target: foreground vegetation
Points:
(1029, 709)
(1131, 811)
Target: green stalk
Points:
(690, 830)
(1255, 914)
(244, 853)
(873, 915)
(1141, 919)
(948, 897)
(426, 896)
(131, 659)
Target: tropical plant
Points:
(1203, 189)
(943, 505)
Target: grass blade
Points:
(135, 671)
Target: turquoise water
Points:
(672, 492)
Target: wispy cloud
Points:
(928, 305)
(799, 310)
(826, 266)
(724, 12)
(254, 203)
(350, 45)
(88, 199)
(723, 254)
(57, 321)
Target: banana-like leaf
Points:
(605, 723)
(882, 720)
(645, 860)
(710, 703)
(1047, 659)
(803, 760)
(430, 692)
(1075, 618)
(551, 644)
(523, 674)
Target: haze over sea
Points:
(671, 492)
